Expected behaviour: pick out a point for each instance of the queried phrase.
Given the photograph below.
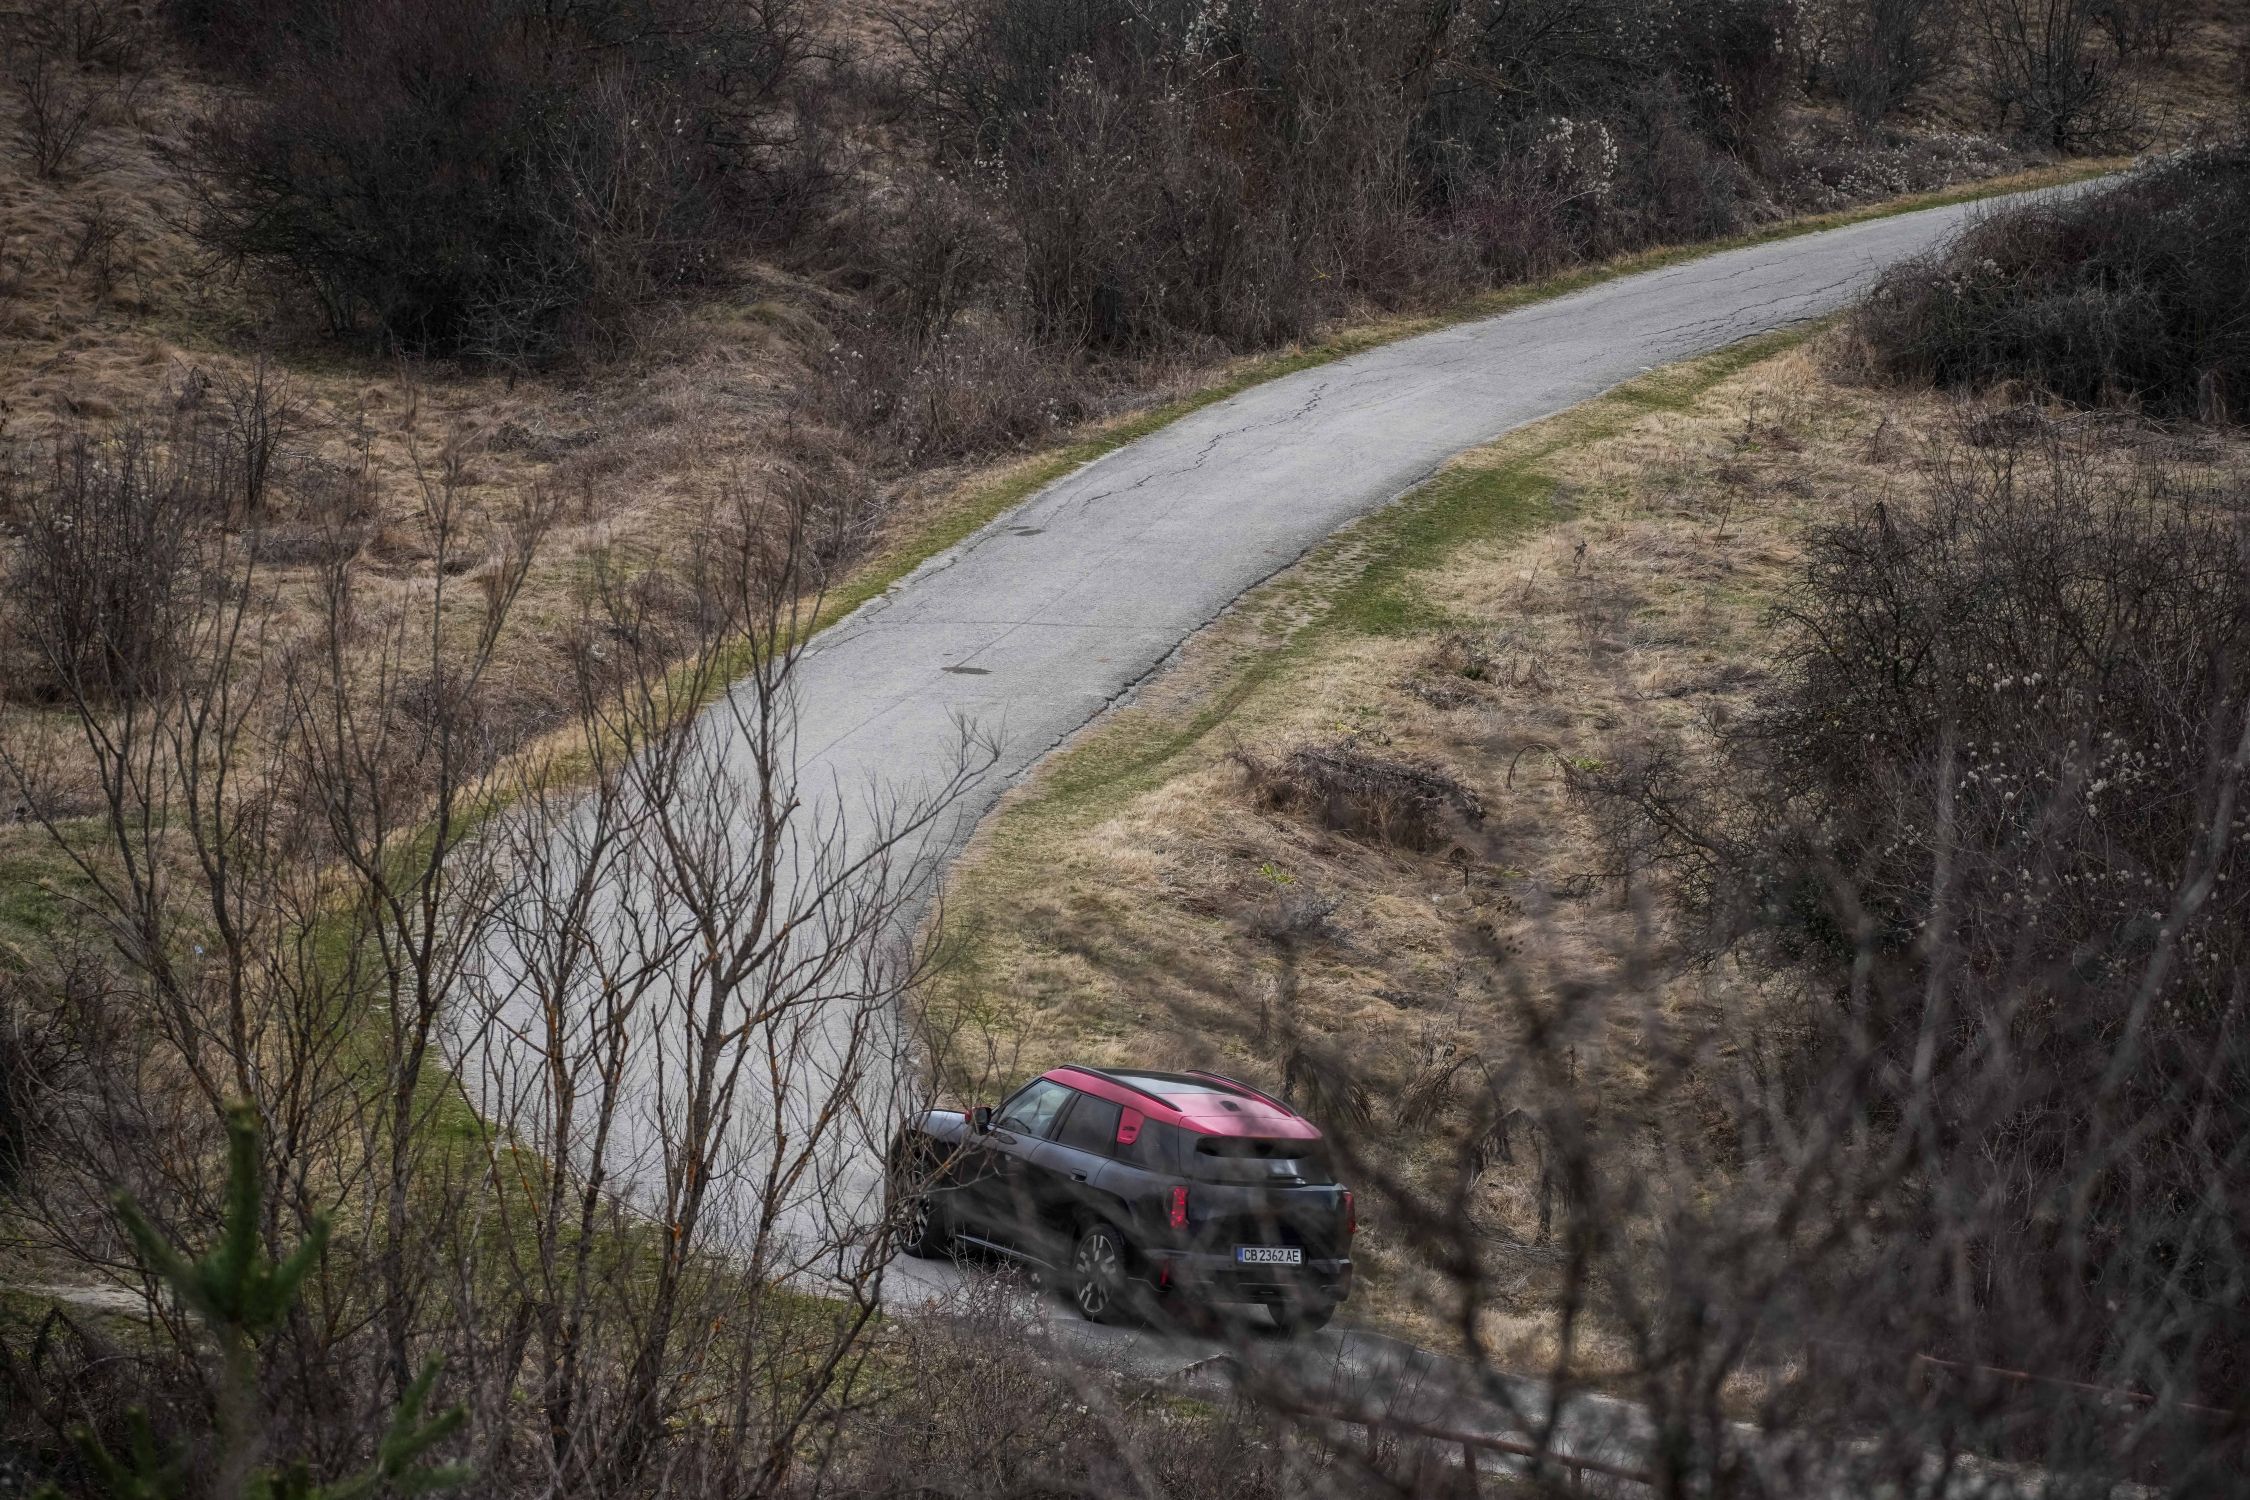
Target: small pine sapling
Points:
(240, 1297)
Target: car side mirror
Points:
(981, 1117)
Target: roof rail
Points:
(1236, 1083)
(1111, 1078)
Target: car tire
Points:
(929, 1232)
(926, 1229)
(1293, 1318)
(1100, 1282)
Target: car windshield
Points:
(1032, 1111)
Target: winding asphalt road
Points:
(1035, 625)
(1029, 629)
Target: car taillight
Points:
(1179, 1208)
(1351, 1213)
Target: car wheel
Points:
(1098, 1281)
(929, 1229)
(926, 1232)
(1293, 1317)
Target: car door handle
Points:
(1078, 1177)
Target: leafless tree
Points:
(57, 110)
(1879, 55)
(688, 1022)
(595, 1075)
(2041, 74)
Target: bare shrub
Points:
(30, 1069)
(2001, 794)
(569, 166)
(1180, 174)
(2142, 27)
(1015, 1419)
(1402, 802)
(106, 34)
(105, 566)
(57, 109)
(974, 389)
(260, 420)
(2127, 295)
(87, 35)
(926, 254)
(94, 249)
(1734, 59)
(2040, 74)
(1885, 53)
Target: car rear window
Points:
(1250, 1159)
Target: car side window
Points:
(1090, 1126)
(1032, 1111)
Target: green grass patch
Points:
(40, 889)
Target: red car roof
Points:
(1202, 1103)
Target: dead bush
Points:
(978, 388)
(95, 247)
(1182, 175)
(108, 543)
(1882, 54)
(990, 1417)
(1407, 803)
(504, 183)
(2041, 73)
(236, 433)
(114, 526)
(1997, 808)
(2142, 27)
(86, 35)
(22, 1066)
(925, 254)
(111, 35)
(2131, 295)
(56, 108)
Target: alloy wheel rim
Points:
(1097, 1267)
(919, 1221)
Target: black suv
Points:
(1134, 1186)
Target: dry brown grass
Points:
(2198, 88)
(1140, 902)
(107, 307)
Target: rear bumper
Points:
(1217, 1278)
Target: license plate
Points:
(1268, 1255)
